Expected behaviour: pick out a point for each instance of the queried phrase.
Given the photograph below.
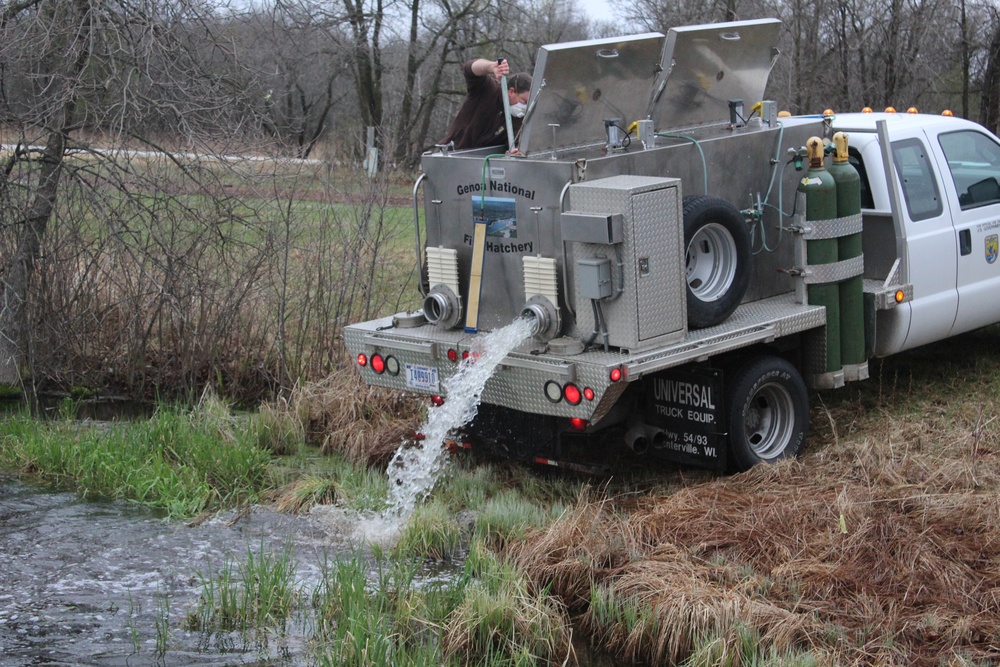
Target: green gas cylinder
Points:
(821, 204)
(852, 324)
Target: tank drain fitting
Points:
(442, 307)
(543, 315)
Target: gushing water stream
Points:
(414, 471)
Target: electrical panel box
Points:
(647, 306)
(593, 276)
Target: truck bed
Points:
(517, 382)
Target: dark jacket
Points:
(480, 120)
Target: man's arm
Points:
(484, 67)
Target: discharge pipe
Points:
(543, 316)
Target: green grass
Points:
(431, 532)
(177, 462)
(248, 596)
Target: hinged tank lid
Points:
(578, 85)
(706, 66)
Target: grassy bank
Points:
(879, 546)
(179, 462)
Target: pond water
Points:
(87, 583)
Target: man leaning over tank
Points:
(480, 121)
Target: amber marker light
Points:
(784, 114)
(890, 109)
(947, 112)
(828, 112)
(912, 110)
(900, 295)
(866, 110)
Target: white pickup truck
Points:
(688, 275)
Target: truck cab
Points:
(933, 204)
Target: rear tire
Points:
(717, 259)
(768, 412)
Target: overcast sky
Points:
(597, 9)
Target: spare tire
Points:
(717, 259)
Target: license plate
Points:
(421, 377)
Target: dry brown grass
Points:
(880, 546)
(364, 424)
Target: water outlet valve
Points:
(544, 317)
(442, 307)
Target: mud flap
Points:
(687, 412)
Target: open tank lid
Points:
(706, 66)
(578, 85)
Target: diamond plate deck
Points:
(519, 381)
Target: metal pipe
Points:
(416, 235)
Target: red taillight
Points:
(578, 424)
(419, 436)
(572, 394)
(465, 354)
(616, 374)
(452, 355)
(362, 360)
(437, 401)
(378, 363)
(588, 393)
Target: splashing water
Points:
(414, 471)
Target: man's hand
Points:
(501, 69)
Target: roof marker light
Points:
(912, 110)
(947, 112)
(890, 109)
(866, 110)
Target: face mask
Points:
(517, 110)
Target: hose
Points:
(704, 163)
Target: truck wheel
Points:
(717, 257)
(768, 412)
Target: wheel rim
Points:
(711, 262)
(769, 421)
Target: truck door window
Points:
(920, 190)
(974, 162)
(854, 157)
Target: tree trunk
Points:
(18, 272)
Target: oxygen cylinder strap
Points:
(834, 228)
(834, 272)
